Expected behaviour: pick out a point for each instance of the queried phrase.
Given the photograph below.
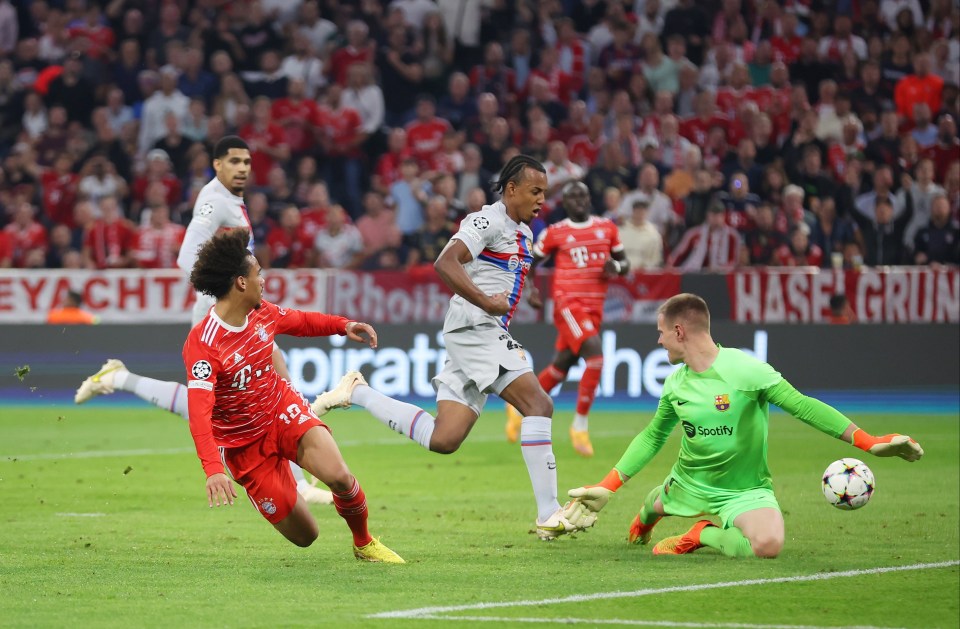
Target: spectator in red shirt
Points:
(158, 242)
(94, 36)
(266, 139)
(919, 87)
(6, 249)
(358, 49)
(158, 170)
(297, 115)
(387, 169)
(800, 251)
(59, 185)
(110, 242)
(28, 238)
(425, 133)
(341, 135)
(290, 245)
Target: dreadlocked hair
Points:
(513, 171)
(221, 260)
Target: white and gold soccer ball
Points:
(848, 484)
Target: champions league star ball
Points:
(848, 484)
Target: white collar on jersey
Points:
(584, 225)
(231, 328)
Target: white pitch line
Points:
(640, 623)
(98, 454)
(579, 598)
(81, 515)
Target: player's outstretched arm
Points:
(590, 499)
(888, 445)
(829, 420)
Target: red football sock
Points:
(551, 377)
(588, 384)
(352, 507)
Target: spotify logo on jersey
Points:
(691, 431)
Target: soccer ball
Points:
(848, 484)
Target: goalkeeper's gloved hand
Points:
(888, 445)
(589, 500)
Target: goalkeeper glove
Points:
(590, 499)
(888, 445)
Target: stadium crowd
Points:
(717, 133)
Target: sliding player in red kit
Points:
(247, 421)
(587, 251)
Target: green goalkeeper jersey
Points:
(724, 412)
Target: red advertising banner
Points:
(136, 296)
(887, 295)
(890, 295)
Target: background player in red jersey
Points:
(587, 252)
(248, 421)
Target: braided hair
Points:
(513, 171)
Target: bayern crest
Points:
(262, 332)
(267, 506)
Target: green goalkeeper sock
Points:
(730, 542)
(648, 516)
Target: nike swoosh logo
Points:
(682, 402)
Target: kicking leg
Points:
(536, 445)
(318, 453)
(114, 376)
(551, 376)
(443, 433)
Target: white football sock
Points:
(406, 419)
(580, 422)
(537, 448)
(170, 396)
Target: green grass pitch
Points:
(105, 524)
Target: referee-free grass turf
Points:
(105, 523)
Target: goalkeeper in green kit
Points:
(721, 397)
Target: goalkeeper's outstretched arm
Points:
(829, 420)
(590, 499)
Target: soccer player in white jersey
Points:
(218, 206)
(485, 264)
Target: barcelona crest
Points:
(722, 402)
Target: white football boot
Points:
(339, 396)
(100, 383)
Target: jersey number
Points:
(293, 411)
(579, 256)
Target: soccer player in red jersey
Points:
(587, 252)
(246, 420)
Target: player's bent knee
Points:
(442, 445)
(341, 482)
(767, 546)
(541, 407)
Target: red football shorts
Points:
(575, 324)
(262, 467)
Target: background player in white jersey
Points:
(219, 206)
(485, 264)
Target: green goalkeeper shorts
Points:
(681, 500)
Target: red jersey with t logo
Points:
(580, 251)
(233, 390)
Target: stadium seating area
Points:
(717, 133)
